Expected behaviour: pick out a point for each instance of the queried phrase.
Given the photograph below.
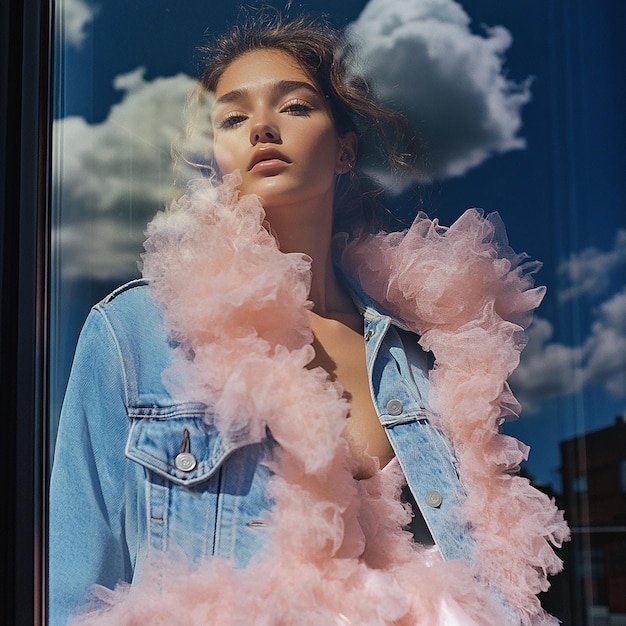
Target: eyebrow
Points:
(279, 88)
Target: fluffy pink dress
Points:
(337, 552)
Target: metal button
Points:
(394, 407)
(185, 461)
(434, 499)
(369, 334)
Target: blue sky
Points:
(537, 89)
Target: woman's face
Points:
(273, 125)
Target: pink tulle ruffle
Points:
(337, 552)
(469, 297)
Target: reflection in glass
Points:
(124, 72)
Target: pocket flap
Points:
(159, 435)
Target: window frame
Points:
(25, 81)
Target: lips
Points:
(269, 155)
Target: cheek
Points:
(327, 143)
(224, 157)
(323, 152)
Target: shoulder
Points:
(127, 326)
(134, 291)
(133, 318)
(129, 304)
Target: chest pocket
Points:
(175, 443)
(203, 491)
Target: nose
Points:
(264, 132)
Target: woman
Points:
(239, 426)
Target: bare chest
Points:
(340, 350)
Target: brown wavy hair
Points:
(324, 55)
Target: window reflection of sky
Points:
(562, 197)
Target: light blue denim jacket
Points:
(121, 488)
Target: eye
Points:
(230, 120)
(297, 107)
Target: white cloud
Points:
(549, 368)
(110, 178)
(72, 16)
(606, 346)
(613, 312)
(589, 272)
(421, 57)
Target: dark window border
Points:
(25, 38)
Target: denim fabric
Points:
(398, 370)
(117, 491)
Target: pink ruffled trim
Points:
(469, 297)
(337, 553)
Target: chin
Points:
(273, 191)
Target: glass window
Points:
(524, 116)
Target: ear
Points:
(346, 159)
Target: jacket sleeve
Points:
(88, 537)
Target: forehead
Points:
(260, 67)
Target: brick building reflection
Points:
(593, 470)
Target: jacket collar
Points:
(366, 306)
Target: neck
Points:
(309, 230)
